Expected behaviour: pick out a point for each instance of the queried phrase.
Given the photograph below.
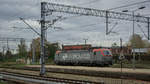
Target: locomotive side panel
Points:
(74, 57)
(85, 58)
(78, 57)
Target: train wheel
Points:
(106, 65)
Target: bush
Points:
(142, 57)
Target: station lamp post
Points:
(133, 44)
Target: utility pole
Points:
(121, 56)
(107, 23)
(148, 28)
(133, 42)
(43, 28)
(121, 53)
(33, 52)
(7, 45)
(3, 52)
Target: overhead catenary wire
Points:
(72, 10)
(92, 24)
(139, 26)
(30, 27)
(84, 3)
(83, 26)
(108, 9)
(119, 7)
(19, 28)
(89, 2)
(110, 31)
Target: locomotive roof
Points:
(75, 51)
(63, 51)
(100, 49)
(79, 45)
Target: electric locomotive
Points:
(86, 56)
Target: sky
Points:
(75, 29)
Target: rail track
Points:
(41, 80)
(128, 76)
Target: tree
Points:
(36, 43)
(136, 41)
(50, 48)
(8, 54)
(22, 49)
(1, 56)
(146, 43)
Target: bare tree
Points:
(136, 41)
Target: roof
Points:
(94, 50)
(76, 47)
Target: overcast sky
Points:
(74, 29)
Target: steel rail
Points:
(99, 74)
(44, 79)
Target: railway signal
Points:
(121, 57)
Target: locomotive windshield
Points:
(107, 52)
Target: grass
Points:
(11, 64)
(19, 65)
(126, 64)
(50, 62)
(138, 64)
(3, 82)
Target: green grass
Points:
(50, 62)
(3, 82)
(138, 64)
(11, 64)
(126, 64)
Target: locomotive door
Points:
(97, 56)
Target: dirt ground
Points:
(147, 71)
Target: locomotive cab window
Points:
(94, 53)
(97, 53)
(106, 52)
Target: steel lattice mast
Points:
(93, 12)
(48, 8)
(43, 29)
(53, 7)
